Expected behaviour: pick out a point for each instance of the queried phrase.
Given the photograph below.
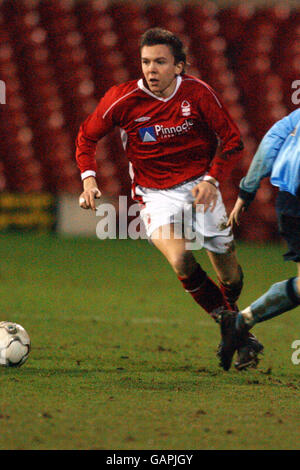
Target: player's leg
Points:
(230, 277)
(219, 244)
(192, 277)
(220, 247)
(229, 273)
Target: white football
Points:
(14, 344)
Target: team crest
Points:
(185, 108)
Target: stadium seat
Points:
(3, 178)
(58, 57)
(233, 21)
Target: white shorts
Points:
(162, 207)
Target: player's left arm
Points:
(231, 147)
(218, 119)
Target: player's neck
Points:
(166, 92)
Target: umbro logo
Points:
(147, 134)
(142, 119)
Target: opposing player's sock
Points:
(232, 291)
(281, 297)
(205, 292)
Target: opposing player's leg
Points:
(280, 298)
(192, 277)
(285, 295)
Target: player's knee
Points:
(240, 276)
(183, 264)
(233, 277)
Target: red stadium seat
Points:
(3, 182)
(233, 21)
(58, 57)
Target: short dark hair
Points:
(155, 36)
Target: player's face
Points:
(159, 69)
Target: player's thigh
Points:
(219, 243)
(226, 264)
(213, 223)
(174, 247)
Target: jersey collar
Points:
(143, 88)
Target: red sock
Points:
(204, 291)
(231, 292)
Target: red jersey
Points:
(166, 140)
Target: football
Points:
(14, 344)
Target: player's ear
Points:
(179, 67)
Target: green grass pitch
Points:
(122, 358)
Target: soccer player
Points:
(171, 127)
(277, 157)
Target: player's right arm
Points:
(262, 163)
(96, 126)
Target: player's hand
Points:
(205, 193)
(89, 194)
(236, 213)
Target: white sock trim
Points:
(247, 316)
(193, 290)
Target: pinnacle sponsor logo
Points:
(151, 134)
(147, 134)
(174, 131)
